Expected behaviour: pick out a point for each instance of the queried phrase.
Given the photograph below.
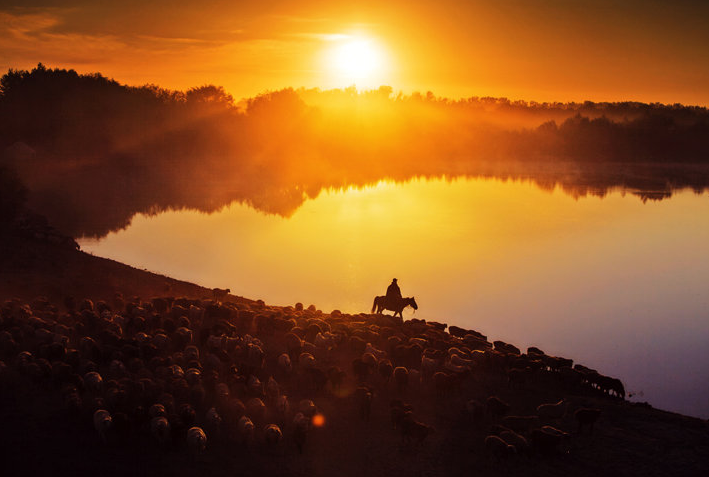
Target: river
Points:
(616, 282)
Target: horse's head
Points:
(411, 301)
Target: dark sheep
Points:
(496, 407)
(586, 417)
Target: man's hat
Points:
(394, 280)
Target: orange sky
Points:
(546, 50)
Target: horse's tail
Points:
(374, 305)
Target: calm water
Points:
(614, 283)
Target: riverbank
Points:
(42, 435)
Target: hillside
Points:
(47, 398)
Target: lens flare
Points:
(318, 420)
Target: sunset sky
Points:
(546, 50)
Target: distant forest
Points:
(89, 153)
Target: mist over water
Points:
(612, 280)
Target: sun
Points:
(357, 60)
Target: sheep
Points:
(196, 441)
(187, 414)
(256, 410)
(428, 367)
(282, 407)
(377, 353)
(273, 390)
(496, 407)
(516, 440)
(444, 383)
(272, 435)
(307, 408)
(220, 294)
(552, 411)
(363, 397)
(93, 382)
(360, 369)
(245, 430)
(336, 376)
(547, 439)
(586, 417)
(102, 423)
(254, 386)
(157, 410)
(414, 431)
(213, 422)
(401, 378)
(497, 449)
(398, 411)
(521, 424)
(284, 364)
(386, 370)
(301, 425)
(306, 360)
(160, 430)
(475, 412)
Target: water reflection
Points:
(613, 281)
(92, 200)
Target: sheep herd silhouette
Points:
(185, 374)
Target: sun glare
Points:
(356, 60)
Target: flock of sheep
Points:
(188, 374)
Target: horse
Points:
(382, 303)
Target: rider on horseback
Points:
(393, 295)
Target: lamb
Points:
(102, 423)
(196, 441)
(552, 411)
(587, 417)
